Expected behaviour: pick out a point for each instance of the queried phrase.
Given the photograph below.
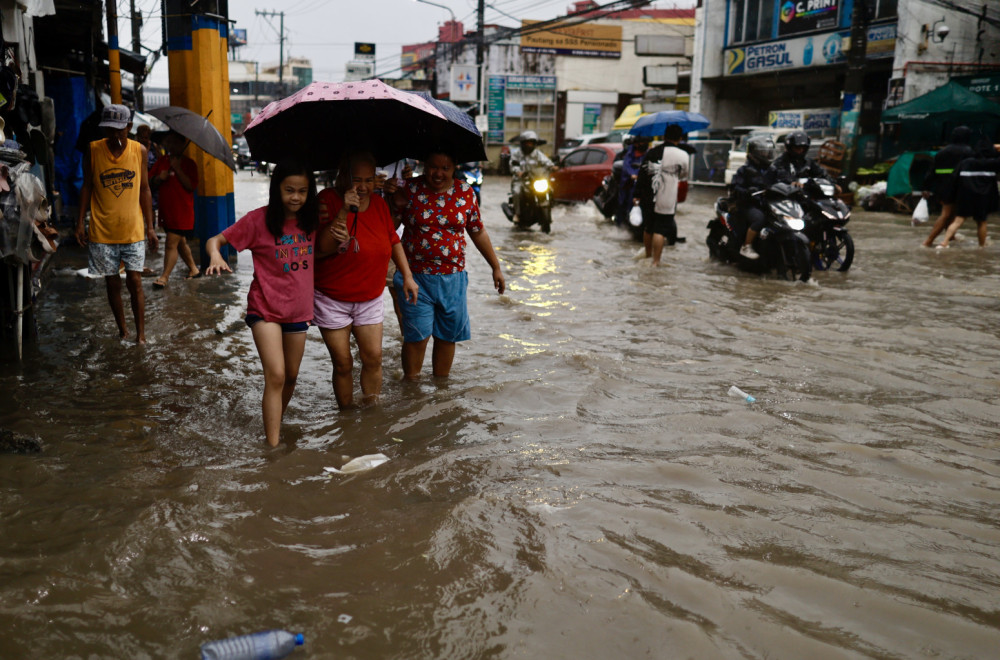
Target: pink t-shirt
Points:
(282, 287)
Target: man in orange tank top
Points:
(116, 193)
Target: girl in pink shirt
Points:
(281, 237)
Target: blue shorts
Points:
(441, 308)
(106, 258)
(286, 328)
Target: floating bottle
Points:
(267, 645)
(737, 392)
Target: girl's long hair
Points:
(307, 216)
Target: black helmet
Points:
(760, 150)
(797, 139)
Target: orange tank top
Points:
(115, 213)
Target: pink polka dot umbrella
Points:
(319, 123)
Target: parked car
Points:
(242, 152)
(611, 137)
(582, 172)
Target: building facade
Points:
(568, 79)
(784, 63)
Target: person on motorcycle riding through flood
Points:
(526, 158)
(793, 165)
(751, 178)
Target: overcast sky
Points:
(325, 30)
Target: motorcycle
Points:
(782, 245)
(535, 203)
(472, 174)
(606, 196)
(830, 244)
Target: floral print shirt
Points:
(435, 225)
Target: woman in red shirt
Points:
(357, 237)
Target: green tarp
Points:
(927, 121)
(908, 173)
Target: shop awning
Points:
(928, 120)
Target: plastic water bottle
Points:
(737, 392)
(267, 645)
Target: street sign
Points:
(658, 44)
(659, 75)
(464, 82)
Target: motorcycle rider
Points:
(635, 148)
(525, 158)
(752, 177)
(793, 165)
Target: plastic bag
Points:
(635, 216)
(920, 213)
(359, 464)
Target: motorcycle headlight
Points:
(540, 185)
(795, 224)
(832, 216)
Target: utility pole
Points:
(854, 86)
(480, 54)
(114, 57)
(137, 49)
(281, 45)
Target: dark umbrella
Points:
(653, 125)
(321, 121)
(462, 137)
(198, 130)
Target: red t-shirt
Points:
(176, 204)
(282, 287)
(357, 276)
(434, 238)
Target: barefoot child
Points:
(174, 177)
(280, 236)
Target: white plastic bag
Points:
(359, 464)
(635, 216)
(920, 214)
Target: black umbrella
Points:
(198, 130)
(322, 121)
(461, 137)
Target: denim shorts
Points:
(331, 314)
(441, 308)
(105, 258)
(286, 328)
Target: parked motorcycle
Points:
(472, 174)
(782, 243)
(535, 203)
(830, 244)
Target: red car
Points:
(582, 172)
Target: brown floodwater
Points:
(581, 487)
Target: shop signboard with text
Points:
(495, 101)
(801, 52)
(798, 16)
(581, 40)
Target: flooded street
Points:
(581, 487)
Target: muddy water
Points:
(582, 486)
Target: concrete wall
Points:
(960, 53)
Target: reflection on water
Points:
(581, 486)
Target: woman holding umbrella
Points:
(437, 211)
(356, 239)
